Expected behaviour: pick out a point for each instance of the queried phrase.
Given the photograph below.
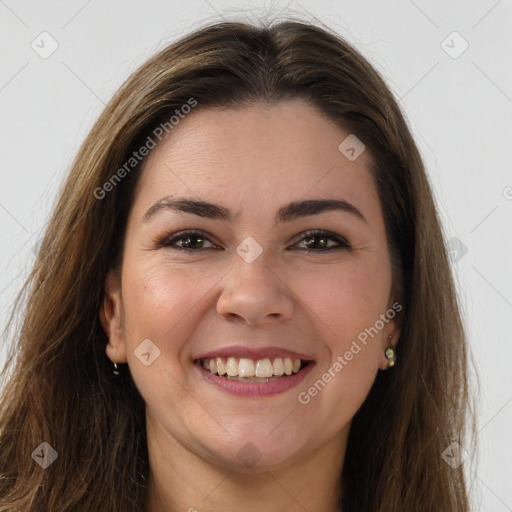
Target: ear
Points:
(112, 321)
(391, 332)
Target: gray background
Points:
(459, 106)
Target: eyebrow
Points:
(287, 213)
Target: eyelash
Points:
(169, 242)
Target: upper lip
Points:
(254, 353)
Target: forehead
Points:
(252, 157)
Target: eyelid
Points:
(341, 240)
(169, 240)
(173, 237)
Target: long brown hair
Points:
(61, 389)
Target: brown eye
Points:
(318, 241)
(187, 240)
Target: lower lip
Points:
(255, 389)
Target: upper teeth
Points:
(233, 366)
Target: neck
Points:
(181, 481)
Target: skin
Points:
(250, 160)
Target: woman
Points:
(243, 298)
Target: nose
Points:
(254, 293)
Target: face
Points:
(247, 281)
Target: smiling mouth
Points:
(249, 370)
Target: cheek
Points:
(160, 305)
(158, 296)
(165, 303)
(347, 298)
(348, 304)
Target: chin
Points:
(258, 449)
